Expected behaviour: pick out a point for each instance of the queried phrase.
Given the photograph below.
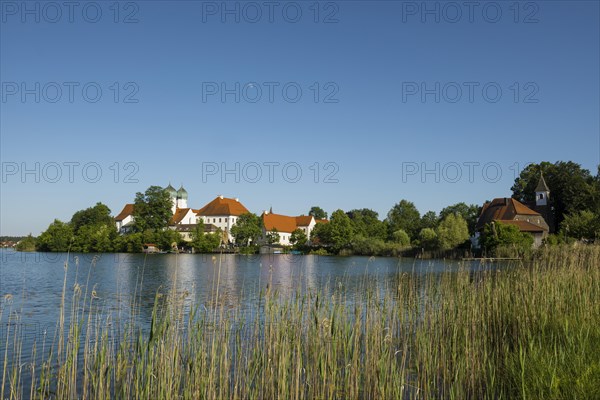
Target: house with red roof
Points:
(533, 220)
(284, 225)
(223, 213)
(184, 222)
(124, 220)
(510, 211)
(218, 215)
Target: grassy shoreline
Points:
(528, 331)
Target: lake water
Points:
(34, 281)
(31, 284)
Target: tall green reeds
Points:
(529, 330)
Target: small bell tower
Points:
(542, 193)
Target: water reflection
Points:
(34, 283)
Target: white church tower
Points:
(179, 198)
(542, 193)
(182, 198)
(173, 194)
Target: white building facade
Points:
(223, 213)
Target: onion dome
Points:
(171, 190)
(182, 193)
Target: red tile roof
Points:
(127, 211)
(303, 220)
(322, 221)
(522, 209)
(282, 223)
(180, 213)
(502, 209)
(523, 226)
(223, 206)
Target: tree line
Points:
(574, 201)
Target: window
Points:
(219, 219)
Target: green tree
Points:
(96, 238)
(152, 209)
(96, 215)
(452, 232)
(429, 220)
(367, 246)
(212, 241)
(404, 215)
(273, 236)
(470, 213)
(165, 239)
(367, 224)
(26, 244)
(321, 234)
(581, 225)
(58, 237)
(497, 235)
(341, 232)
(317, 212)
(247, 229)
(205, 242)
(94, 229)
(299, 239)
(401, 237)
(428, 239)
(130, 243)
(572, 188)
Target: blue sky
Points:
(387, 100)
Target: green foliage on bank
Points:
(28, 243)
(574, 201)
(502, 240)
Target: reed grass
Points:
(530, 331)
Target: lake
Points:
(31, 283)
(31, 288)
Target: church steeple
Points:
(173, 195)
(542, 193)
(182, 197)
